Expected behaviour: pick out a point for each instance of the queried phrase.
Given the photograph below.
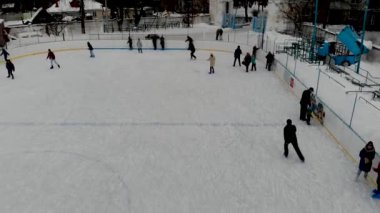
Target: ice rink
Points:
(154, 132)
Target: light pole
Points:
(82, 14)
(314, 36)
(363, 34)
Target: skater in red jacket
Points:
(51, 56)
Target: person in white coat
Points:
(139, 45)
(212, 63)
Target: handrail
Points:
(332, 78)
(368, 102)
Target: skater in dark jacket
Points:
(270, 59)
(154, 41)
(51, 57)
(11, 68)
(291, 137)
(162, 42)
(377, 170)
(5, 53)
(91, 49)
(130, 43)
(247, 61)
(304, 102)
(237, 54)
(189, 39)
(192, 51)
(367, 154)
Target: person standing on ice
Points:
(130, 43)
(254, 51)
(270, 59)
(51, 57)
(212, 63)
(253, 61)
(291, 137)
(162, 42)
(247, 61)
(237, 54)
(11, 68)
(139, 45)
(91, 49)
(5, 53)
(304, 102)
(367, 154)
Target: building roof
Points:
(65, 6)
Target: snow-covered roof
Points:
(29, 20)
(64, 6)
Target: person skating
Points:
(247, 61)
(154, 41)
(11, 68)
(189, 39)
(162, 42)
(304, 102)
(4, 53)
(253, 62)
(51, 57)
(91, 49)
(139, 46)
(291, 137)
(191, 47)
(270, 59)
(237, 54)
(367, 154)
(192, 51)
(212, 63)
(130, 43)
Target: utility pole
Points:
(362, 35)
(82, 15)
(312, 55)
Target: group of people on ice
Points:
(250, 59)
(154, 39)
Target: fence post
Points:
(353, 109)
(319, 75)
(295, 66)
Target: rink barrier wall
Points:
(343, 135)
(347, 139)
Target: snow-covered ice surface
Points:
(153, 132)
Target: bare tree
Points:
(294, 12)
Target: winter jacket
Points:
(377, 170)
(369, 154)
(305, 99)
(253, 60)
(90, 46)
(51, 56)
(191, 47)
(290, 133)
(212, 61)
(139, 44)
(238, 52)
(247, 60)
(10, 66)
(270, 58)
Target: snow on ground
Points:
(153, 132)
